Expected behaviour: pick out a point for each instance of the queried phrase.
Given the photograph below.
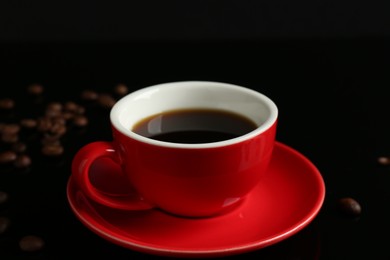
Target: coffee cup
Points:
(173, 159)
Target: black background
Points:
(322, 62)
(190, 20)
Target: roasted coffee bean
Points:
(80, 121)
(53, 109)
(349, 206)
(121, 89)
(67, 115)
(70, 106)
(80, 110)
(48, 139)
(7, 103)
(52, 113)
(11, 129)
(31, 243)
(9, 138)
(35, 89)
(22, 161)
(3, 197)
(4, 224)
(54, 106)
(106, 100)
(7, 157)
(57, 130)
(19, 147)
(44, 124)
(52, 150)
(60, 120)
(28, 123)
(89, 95)
(384, 160)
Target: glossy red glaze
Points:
(183, 181)
(285, 201)
(83, 161)
(195, 181)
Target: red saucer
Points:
(287, 200)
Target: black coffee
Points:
(194, 126)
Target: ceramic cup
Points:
(193, 180)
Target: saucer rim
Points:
(218, 252)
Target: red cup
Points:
(193, 180)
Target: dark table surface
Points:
(333, 105)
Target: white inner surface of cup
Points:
(193, 95)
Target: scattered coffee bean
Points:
(106, 100)
(7, 157)
(349, 206)
(3, 197)
(70, 106)
(19, 147)
(9, 133)
(28, 123)
(22, 161)
(60, 120)
(53, 109)
(31, 243)
(67, 115)
(9, 138)
(384, 160)
(52, 150)
(121, 89)
(35, 89)
(6, 103)
(52, 113)
(45, 127)
(54, 106)
(80, 121)
(44, 124)
(11, 129)
(50, 140)
(89, 95)
(4, 224)
(57, 129)
(80, 110)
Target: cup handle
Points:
(80, 173)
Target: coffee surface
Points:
(194, 126)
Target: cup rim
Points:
(267, 124)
